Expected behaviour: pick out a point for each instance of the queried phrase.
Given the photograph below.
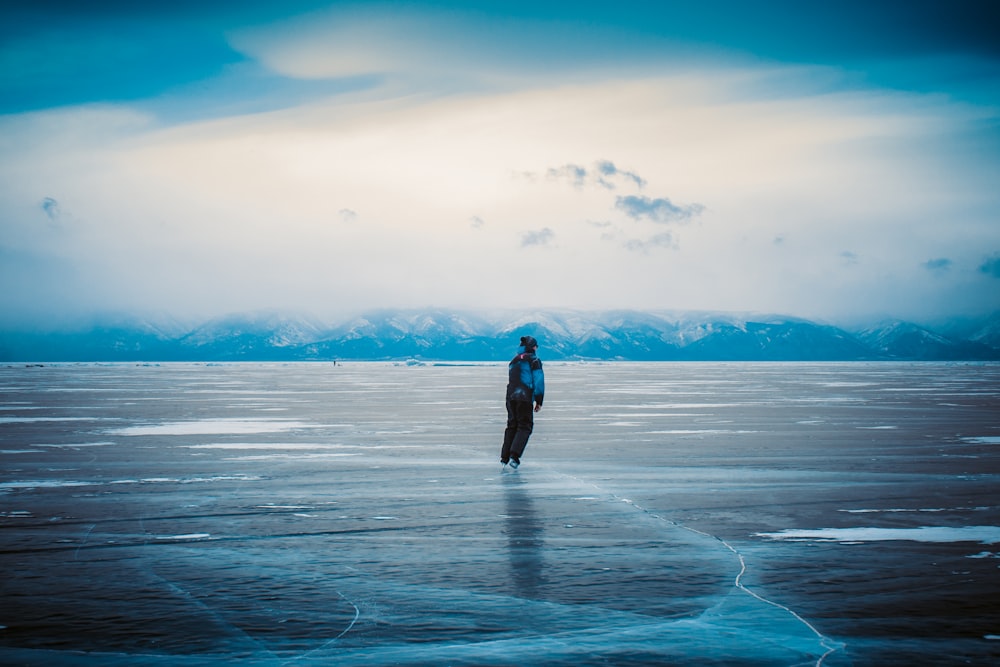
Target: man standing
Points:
(525, 385)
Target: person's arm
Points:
(538, 380)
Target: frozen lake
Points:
(681, 514)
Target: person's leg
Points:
(508, 434)
(525, 418)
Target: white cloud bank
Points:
(602, 189)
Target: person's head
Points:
(529, 343)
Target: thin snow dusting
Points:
(214, 427)
(982, 534)
(43, 484)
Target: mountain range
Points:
(445, 335)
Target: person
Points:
(525, 386)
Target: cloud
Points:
(612, 233)
(991, 265)
(540, 237)
(406, 45)
(51, 208)
(663, 240)
(607, 169)
(939, 265)
(604, 173)
(343, 43)
(660, 209)
(423, 134)
(575, 174)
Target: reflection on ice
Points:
(524, 537)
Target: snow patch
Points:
(43, 484)
(940, 534)
(188, 480)
(30, 420)
(708, 431)
(259, 445)
(214, 427)
(984, 440)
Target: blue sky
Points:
(839, 161)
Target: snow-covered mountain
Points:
(260, 336)
(448, 335)
(984, 330)
(905, 340)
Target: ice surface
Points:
(28, 420)
(213, 427)
(41, 484)
(985, 440)
(983, 534)
(372, 525)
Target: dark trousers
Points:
(520, 421)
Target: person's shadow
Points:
(524, 538)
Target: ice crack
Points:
(829, 645)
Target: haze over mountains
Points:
(446, 335)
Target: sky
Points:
(838, 161)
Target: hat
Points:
(528, 341)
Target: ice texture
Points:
(681, 514)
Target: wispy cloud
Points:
(659, 209)
(540, 237)
(608, 171)
(51, 208)
(939, 265)
(603, 173)
(662, 240)
(849, 257)
(991, 265)
(574, 174)
(347, 215)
